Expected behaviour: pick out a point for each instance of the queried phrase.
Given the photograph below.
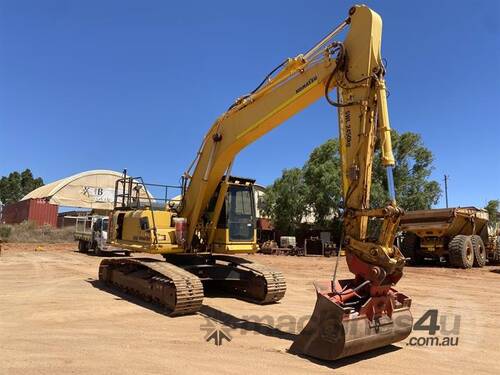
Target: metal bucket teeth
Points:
(332, 333)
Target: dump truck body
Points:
(429, 233)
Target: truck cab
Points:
(100, 233)
(91, 232)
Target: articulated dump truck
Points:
(461, 237)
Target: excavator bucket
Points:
(341, 329)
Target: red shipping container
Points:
(36, 210)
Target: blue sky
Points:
(136, 84)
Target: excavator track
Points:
(155, 281)
(260, 284)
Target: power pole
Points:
(446, 188)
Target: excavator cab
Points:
(236, 226)
(143, 221)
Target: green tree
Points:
(323, 180)
(492, 207)
(16, 185)
(285, 200)
(317, 187)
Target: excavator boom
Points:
(355, 68)
(351, 312)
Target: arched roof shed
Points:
(92, 189)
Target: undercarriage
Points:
(178, 284)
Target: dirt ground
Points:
(55, 318)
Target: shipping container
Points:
(38, 211)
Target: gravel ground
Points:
(55, 318)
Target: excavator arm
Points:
(354, 315)
(355, 68)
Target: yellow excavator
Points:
(213, 219)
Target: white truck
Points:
(91, 232)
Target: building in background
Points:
(265, 229)
(92, 190)
(68, 218)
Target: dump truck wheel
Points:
(82, 246)
(479, 251)
(410, 246)
(461, 251)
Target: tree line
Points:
(315, 190)
(493, 207)
(17, 184)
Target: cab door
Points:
(240, 213)
(96, 234)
